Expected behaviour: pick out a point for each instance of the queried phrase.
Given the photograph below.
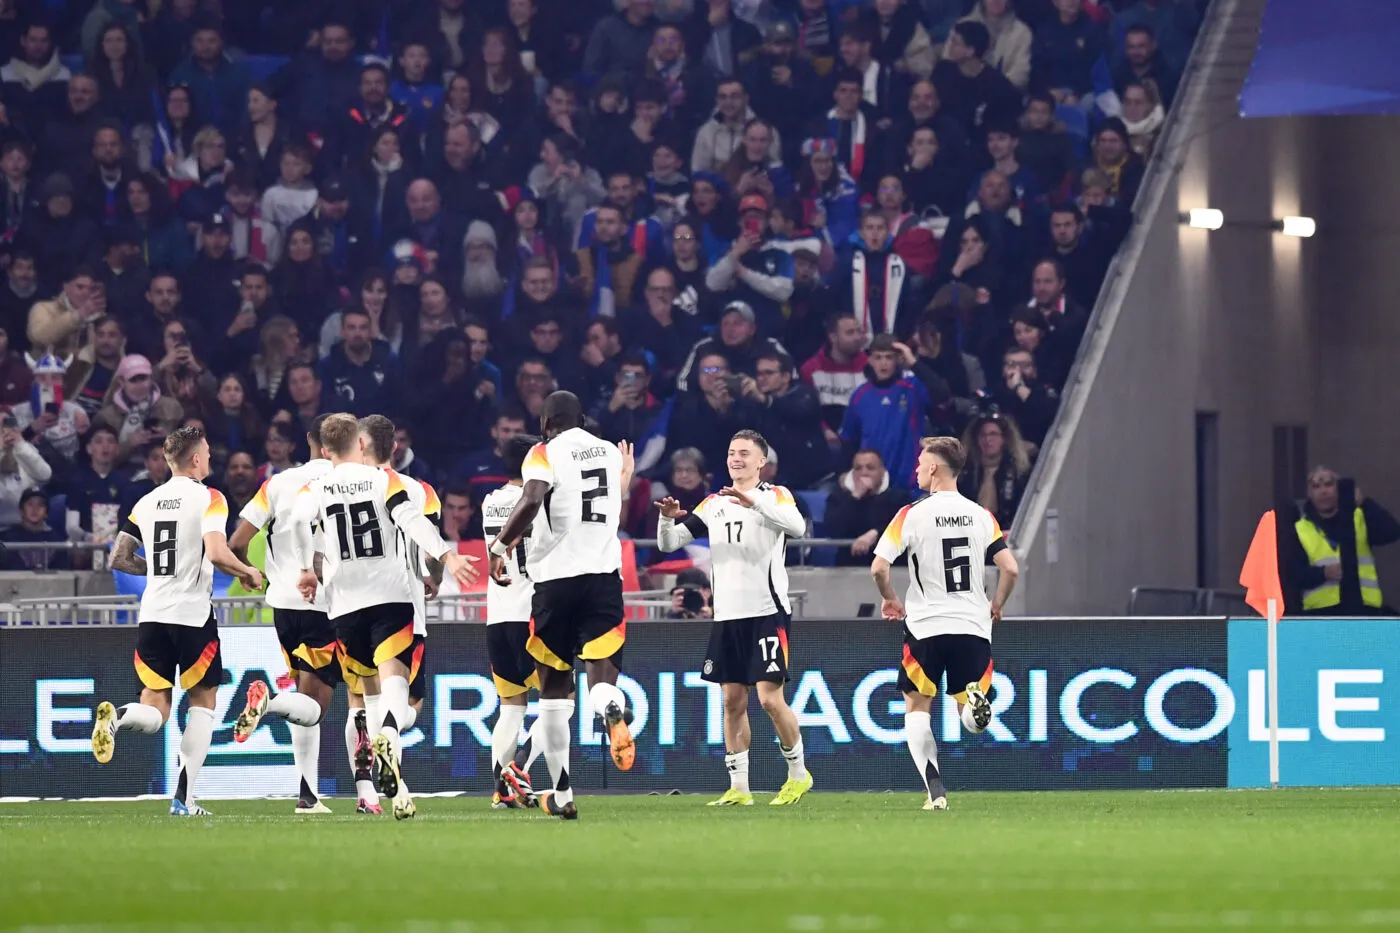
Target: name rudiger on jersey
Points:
(590, 453)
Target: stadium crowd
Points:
(846, 225)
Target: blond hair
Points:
(340, 433)
(948, 449)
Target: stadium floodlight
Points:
(1296, 226)
(1203, 218)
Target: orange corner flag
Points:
(1259, 575)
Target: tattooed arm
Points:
(125, 558)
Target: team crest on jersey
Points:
(709, 666)
(379, 377)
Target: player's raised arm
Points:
(677, 528)
(421, 530)
(780, 511)
(216, 543)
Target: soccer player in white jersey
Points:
(573, 482)
(305, 633)
(508, 604)
(369, 595)
(181, 524)
(947, 617)
(748, 524)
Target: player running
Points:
(575, 560)
(368, 592)
(507, 632)
(181, 524)
(305, 634)
(748, 524)
(948, 626)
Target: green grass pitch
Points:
(1110, 861)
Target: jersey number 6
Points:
(957, 568)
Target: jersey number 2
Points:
(957, 568)
(163, 550)
(362, 531)
(601, 478)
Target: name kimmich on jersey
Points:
(949, 539)
(576, 530)
(360, 509)
(511, 602)
(171, 522)
(748, 548)
(271, 510)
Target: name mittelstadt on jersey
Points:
(591, 453)
(349, 489)
(952, 521)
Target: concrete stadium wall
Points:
(1259, 328)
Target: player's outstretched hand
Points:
(892, 609)
(738, 498)
(252, 580)
(307, 584)
(462, 569)
(671, 509)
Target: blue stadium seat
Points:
(262, 67)
(816, 504)
(1076, 123)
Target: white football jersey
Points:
(949, 539)
(509, 603)
(575, 532)
(748, 548)
(425, 499)
(360, 510)
(271, 510)
(171, 522)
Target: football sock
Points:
(601, 694)
(506, 734)
(738, 765)
(306, 752)
(968, 722)
(918, 732)
(351, 735)
(409, 719)
(393, 705)
(374, 713)
(138, 717)
(553, 735)
(297, 708)
(194, 745)
(797, 766)
(529, 750)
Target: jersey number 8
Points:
(163, 550)
(363, 531)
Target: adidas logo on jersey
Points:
(772, 667)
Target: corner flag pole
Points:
(1273, 692)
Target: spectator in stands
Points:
(998, 467)
(751, 171)
(262, 138)
(66, 139)
(231, 420)
(218, 86)
(60, 326)
(1046, 148)
(1082, 263)
(174, 136)
(719, 137)
(488, 374)
(17, 297)
(304, 393)
(902, 45)
(180, 372)
(213, 274)
(146, 332)
(687, 483)
(1011, 40)
(755, 271)
(22, 467)
(320, 83)
(442, 400)
(1029, 332)
(783, 88)
(460, 514)
(690, 597)
(359, 130)
(1064, 51)
(294, 195)
(1143, 116)
(619, 43)
(1114, 156)
(90, 376)
(598, 359)
(253, 236)
(200, 178)
(35, 80)
(929, 177)
(534, 381)
(972, 92)
(16, 378)
(1026, 396)
(866, 500)
(828, 193)
(706, 418)
(789, 417)
(279, 348)
(482, 283)
(718, 39)
(20, 191)
(817, 29)
(850, 126)
(565, 186)
(811, 304)
(661, 328)
(60, 238)
(95, 489)
(406, 460)
(498, 78)
(874, 278)
(738, 343)
(689, 269)
(483, 470)
(162, 239)
(943, 356)
(103, 187)
(361, 375)
(51, 423)
(925, 110)
(153, 471)
(1142, 61)
(1333, 561)
(32, 528)
(240, 484)
(1173, 23)
(1003, 142)
(838, 369)
(632, 412)
(608, 267)
(977, 264)
(887, 414)
(137, 409)
(1065, 319)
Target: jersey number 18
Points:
(360, 535)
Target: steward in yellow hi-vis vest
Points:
(1335, 566)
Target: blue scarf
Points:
(604, 302)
